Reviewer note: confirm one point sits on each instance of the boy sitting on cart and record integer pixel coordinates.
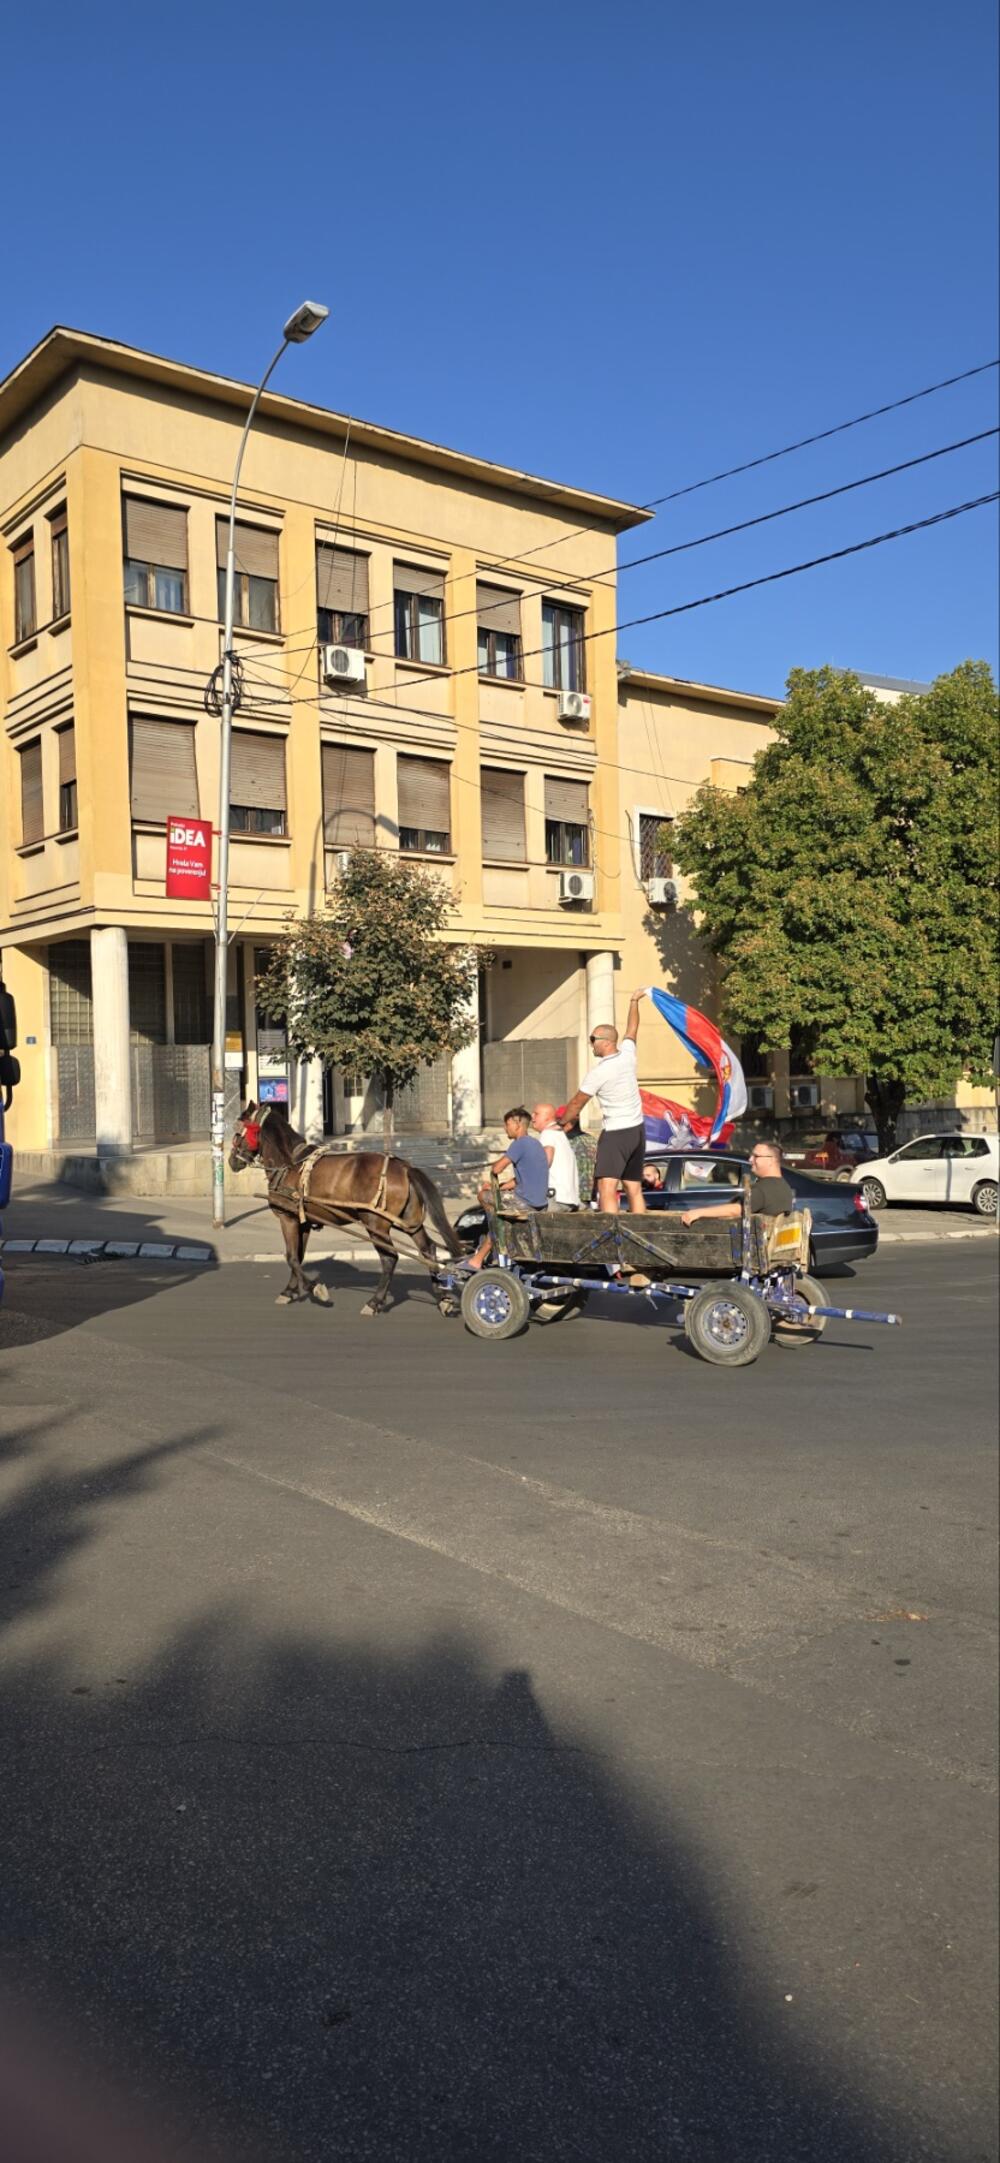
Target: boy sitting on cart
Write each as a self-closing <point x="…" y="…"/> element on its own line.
<point x="522" y="1171"/>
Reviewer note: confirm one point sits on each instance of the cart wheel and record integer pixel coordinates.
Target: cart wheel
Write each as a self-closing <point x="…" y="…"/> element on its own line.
<point x="727" y="1325"/>
<point x="553" y="1310"/>
<point x="786" y="1333"/>
<point x="495" y="1304"/>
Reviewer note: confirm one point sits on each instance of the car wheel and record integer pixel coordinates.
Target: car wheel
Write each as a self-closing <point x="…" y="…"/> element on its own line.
<point x="727" y="1324"/>
<point x="874" y="1193"/>
<point x="984" y="1198"/>
<point x="807" y="1332"/>
<point x="495" y="1304"/>
<point x="845" y="1176"/>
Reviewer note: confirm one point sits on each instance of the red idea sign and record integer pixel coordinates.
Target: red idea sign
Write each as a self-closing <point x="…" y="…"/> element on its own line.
<point x="189" y="859"/>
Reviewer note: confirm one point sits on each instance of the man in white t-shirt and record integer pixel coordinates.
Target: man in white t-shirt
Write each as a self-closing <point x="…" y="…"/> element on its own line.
<point x="564" y="1174"/>
<point x="614" y="1081"/>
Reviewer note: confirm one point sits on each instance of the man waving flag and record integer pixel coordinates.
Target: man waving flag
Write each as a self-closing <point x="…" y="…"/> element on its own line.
<point x="713" y="1055"/>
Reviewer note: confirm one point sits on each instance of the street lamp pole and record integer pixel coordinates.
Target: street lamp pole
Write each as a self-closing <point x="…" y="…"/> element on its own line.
<point x="298" y="328"/>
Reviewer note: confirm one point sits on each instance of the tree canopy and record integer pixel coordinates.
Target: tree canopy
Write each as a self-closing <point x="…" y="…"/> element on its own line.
<point x="851" y="892"/>
<point x="371" y="983"/>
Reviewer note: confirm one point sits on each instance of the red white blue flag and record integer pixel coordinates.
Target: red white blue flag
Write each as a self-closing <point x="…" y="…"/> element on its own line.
<point x="713" y="1055"/>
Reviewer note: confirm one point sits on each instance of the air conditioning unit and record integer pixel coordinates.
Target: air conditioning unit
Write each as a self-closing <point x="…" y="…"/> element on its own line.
<point x="804" y="1096"/>
<point x="760" y="1097"/>
<point x="575" y="706"/>
<point x="343" y="664"/>
<point x="576" y="886"/>
<point x="341" y="860"/>
<point x="661" y="893"/>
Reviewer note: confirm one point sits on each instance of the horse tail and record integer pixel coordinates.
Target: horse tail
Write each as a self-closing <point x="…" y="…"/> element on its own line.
<point x="434" y="1210"/>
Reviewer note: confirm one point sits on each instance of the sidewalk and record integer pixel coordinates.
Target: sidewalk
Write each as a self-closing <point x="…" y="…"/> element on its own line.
<point x="54" y="1219"/>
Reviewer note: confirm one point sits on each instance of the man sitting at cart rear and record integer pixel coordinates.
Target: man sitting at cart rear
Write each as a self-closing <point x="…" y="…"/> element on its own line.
<point x="770" y="1193"/>
<point x="529" y="1189"/>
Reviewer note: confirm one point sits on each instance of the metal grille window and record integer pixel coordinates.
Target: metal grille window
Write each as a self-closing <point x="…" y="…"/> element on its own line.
<point x="424" y="805"/>
<point x="255" y="596"/>
<point x="60" y="565"/>
<point x="147" y="993"/>
<point x="503" y="816"/>
<point x="348" y="797"/>
<point x="499" y="633"/>
<point x="71" y="1011"/>
<point x="68" y="807"/>
<point x="32" y="800"/>
<point x="654" y="846"/>
<point x="192" y="1023"/>
<point x="155" y="556"/>
<point x="257" y="800"/>
<point x="25" y="612"/>
<point x="419" y="614"/>
<point x="563" y="649"/>
<point x="341" y="597"/>
<point x="567" y="822"/>
<point x="164" y="777"/>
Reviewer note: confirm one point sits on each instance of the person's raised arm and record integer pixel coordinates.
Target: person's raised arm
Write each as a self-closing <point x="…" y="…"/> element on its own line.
<point x="632" y="1024"/>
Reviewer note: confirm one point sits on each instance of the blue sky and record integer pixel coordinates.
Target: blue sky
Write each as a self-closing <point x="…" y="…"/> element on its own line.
<point x="622" y="246"/>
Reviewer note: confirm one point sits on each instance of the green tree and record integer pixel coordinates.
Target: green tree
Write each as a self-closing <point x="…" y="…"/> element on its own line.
<point x="371" y="983"/>
<point x="851" y="892"/>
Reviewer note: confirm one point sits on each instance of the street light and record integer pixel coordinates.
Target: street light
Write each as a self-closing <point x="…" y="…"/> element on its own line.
<point x="298" y="328"/>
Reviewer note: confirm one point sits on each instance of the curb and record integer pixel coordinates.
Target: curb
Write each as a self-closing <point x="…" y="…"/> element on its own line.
<point x="133" y="1250"/>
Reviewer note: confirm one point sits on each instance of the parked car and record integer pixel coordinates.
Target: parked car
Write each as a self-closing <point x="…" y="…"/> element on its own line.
<point x="937" y="1169"/>
<point x="842" y="1229"/>
<point x="838" y="1152"/>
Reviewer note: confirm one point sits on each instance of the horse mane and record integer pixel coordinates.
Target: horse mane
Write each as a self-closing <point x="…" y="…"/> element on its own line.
<point x="287" y="1136"/>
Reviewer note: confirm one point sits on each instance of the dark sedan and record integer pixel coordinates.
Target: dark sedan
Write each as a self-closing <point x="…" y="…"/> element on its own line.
<point x="842" y="1230"/>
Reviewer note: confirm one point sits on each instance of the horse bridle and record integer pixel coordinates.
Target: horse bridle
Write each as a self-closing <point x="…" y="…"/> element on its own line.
<point x="249" y="1152"/>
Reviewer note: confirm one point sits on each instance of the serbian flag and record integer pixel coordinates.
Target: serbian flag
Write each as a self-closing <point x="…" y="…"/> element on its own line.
<point x="713" y="1055"/>
<point x="674" y="1126"/>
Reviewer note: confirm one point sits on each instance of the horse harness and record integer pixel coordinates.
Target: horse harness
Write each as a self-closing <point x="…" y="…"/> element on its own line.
<point x="284" y="1190"/>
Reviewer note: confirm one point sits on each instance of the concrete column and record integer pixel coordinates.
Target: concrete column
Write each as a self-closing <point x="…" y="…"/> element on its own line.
<point x="466" y="1079"/>
<point x="600" y="991"/>
<point x="112" y="1059"/>
<point x="307" y="1098"/>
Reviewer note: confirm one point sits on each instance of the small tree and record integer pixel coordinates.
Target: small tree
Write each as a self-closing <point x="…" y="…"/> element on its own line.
<point x="371" y="982"/>
<point x="851" y="892"/>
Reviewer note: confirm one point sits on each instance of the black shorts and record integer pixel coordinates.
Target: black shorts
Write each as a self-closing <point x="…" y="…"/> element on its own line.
<point x="621" y="1154"/>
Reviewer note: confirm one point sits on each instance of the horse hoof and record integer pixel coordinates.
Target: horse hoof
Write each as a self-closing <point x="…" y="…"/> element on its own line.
<point x="369" y="1307"/>
<point x="284" y="1299"/>
<point x="320" y="1293"/>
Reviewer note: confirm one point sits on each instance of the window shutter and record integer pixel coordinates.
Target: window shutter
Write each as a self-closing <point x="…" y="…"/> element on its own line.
<point x="164" y="777"/>
<point x="406" y="578"/>
<point x="341" y="579"/>
<point x="258" y="771"/>
<point x="156" y="533"/>
<point x="348" y="797"/>
<point x="256" y="548"/>
<point x="67" y="755"/>
<point x="32" y="802"/>
<point x="566" y="800"/>
<point x="425" y="794"/>
<point x="503" y="814"/>
<point x="498" y="611"/>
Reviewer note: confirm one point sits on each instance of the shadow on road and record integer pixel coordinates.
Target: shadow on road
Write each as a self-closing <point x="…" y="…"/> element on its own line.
<point x="325" y="1901"/>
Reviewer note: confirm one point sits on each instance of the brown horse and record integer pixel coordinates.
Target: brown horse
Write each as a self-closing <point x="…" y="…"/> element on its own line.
<point x="378" y="1192"/>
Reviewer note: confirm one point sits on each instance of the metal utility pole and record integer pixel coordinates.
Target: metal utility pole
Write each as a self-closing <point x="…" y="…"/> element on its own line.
<point x="298" y="328"/>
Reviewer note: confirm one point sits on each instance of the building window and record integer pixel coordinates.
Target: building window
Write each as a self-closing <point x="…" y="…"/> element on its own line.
<point x="192" y="1022"/>
<point x="424" y="806"/>
<point x="255" y="594"/>
<point x="155" y="556"/>
<point x="419" y="614"/>
<point x="503" y="816"/>
<point x="164" y="783"/>
<point x="499" y="633"/>
<point x="68" y="805"/>
<point x="653" y="840"/>
<point x="147" y="992"/>
<point x="32" y="801"/>
<point x="755" y="1059"/>
<point x="567" y="822"/>
<point x="60" y="566"/>
<point x="71" y="1009"/>
<point x="563" y="650"/>
<point x="341" y="597"/>
<point x="348" y="797"/>
<point x="257" y="800"/>
<point x="800" y="1051"/>
<point x="25" y="614"/>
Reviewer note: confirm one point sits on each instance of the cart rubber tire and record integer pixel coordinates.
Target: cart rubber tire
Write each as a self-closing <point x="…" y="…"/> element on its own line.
<point x="727" y="1324"/>
<point x="495" y="1304"/>
<point x="557" y="1310"/>
<point x="793" y="1333"/>
<point x="874" y="1193"/>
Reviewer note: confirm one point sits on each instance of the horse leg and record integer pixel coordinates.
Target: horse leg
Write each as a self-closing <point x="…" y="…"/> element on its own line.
<point x="381" y="1239"/>
<point x="447" y="1303"/>
<point x="296" y="1288"/>
<point x="315" y="1289"/>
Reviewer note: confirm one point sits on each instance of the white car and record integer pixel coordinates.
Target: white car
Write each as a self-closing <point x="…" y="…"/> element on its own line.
<point x="937" y="1168"/>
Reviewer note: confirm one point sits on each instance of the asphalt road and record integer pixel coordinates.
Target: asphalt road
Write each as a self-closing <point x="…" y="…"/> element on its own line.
<point x="562" y="1749"/>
